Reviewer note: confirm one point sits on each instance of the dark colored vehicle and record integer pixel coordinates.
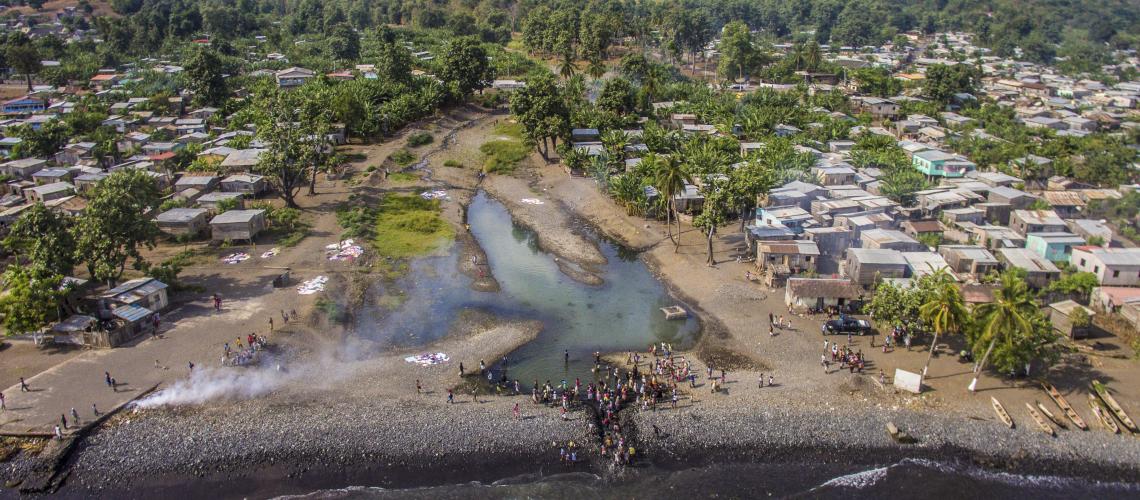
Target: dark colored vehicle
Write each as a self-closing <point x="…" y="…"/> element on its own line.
<point x="845" y="325"/>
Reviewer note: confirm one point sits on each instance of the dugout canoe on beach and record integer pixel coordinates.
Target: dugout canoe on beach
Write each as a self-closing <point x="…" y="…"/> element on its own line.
<point x="1056" y="396"/>
<point x="1102" y="414"/>
<point x="1001" y="413"/>
<point x="1113" y="406"/>
<point x="1041" y="423"/>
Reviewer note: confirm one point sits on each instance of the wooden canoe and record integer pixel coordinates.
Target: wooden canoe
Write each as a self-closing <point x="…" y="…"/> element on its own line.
<point x="1113" y="406"/>
<point x="1056" y="396"/>
<point x="1102" y="414"/>
<point x="1049" y="415"/>
<point x="1001" y="413"/>
<point x="1041" y="423"/>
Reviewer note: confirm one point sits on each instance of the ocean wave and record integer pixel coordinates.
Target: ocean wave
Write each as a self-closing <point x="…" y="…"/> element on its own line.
<point x="869" y="478"/>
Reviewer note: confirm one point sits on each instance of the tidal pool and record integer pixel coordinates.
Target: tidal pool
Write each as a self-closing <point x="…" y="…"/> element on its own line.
<point x="622" y="314"/>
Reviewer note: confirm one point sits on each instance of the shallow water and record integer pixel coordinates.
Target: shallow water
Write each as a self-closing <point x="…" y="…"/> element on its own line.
<point x="622" y="314"/>
<point x="910" y="478"/>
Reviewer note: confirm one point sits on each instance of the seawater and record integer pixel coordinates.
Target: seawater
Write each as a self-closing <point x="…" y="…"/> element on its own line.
<point x="910" y="478"/>
<point x="623" y="314"/>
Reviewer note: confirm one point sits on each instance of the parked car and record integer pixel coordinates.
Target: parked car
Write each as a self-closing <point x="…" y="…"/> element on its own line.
<point x="847" y="325"/>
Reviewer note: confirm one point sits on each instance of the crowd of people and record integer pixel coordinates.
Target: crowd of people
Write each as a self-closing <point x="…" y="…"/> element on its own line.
<point x="243" y="354"/>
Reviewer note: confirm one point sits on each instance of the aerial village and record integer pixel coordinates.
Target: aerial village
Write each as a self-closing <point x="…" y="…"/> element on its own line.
<point x="884" y="175"/>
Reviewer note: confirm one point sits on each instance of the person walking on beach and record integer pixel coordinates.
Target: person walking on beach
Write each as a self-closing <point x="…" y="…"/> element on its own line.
<point x="450" y="397"/>
<point x="771" y="381"/>
<point x="63" y="420"/>
<point x="460" y="368"/>
<point x="58" y="434"/>
<point x="419" y="388"/>
<point x="191" y="365"/>
<point x="284" y="317"/>
<point x="2" y="406"/>
<point x="823" y="362"/>
<point x="475" y="394"/>
<point x="94" y="409"/>
<point x="75" y="416"/>
<point x="516" y="412"/>
<point x="761" y="381"/>
<point x="482" y="367"/>
<point x="107" y="377"/>
<point x="114" y="386"/>
<point x="217" y="302"/>
<point x="271" y="323"/>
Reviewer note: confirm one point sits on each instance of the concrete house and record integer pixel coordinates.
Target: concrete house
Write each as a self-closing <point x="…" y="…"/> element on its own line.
<point x="183" y="221"/>
<point x="890" y="239"/>
<point x="203" y="183"/>
<point x="1112" y="266"/>
<point x="51" y="175"/>
<point x="249" y="184"/>
<point x="969" y="259"/>
<point x="956" y="216"/>
<point x="237" y="225"/>
<point x="293" y="77"/>
<point x="23" y="168"/>
<point x="1060" y="314"/>
<point x="936" y="163"/>
<point x="1055" y="247"/>
<point x="787" y="257"/>
<point x="864" y="265"/>
<point x="212" y="200"/>
<point x="1036" y="221"/>
<point x="1067" y="204"/>
<point x="919" y="228"/>
<point x="794" y="218"/>
<point x="24" y="105"/>
<point x="1089" y="229"/>
<point x="921" y="264"/>
<point x="835" y="176"/>
<point x="832" y="243"/>
<point x="808" y="293"/>
<point x="877" y="107"/>
<point x="1039" y="272"/>
<point x="1015" y="198"/>
<point x="49" y="192"/>
<point x="86" y="182"/>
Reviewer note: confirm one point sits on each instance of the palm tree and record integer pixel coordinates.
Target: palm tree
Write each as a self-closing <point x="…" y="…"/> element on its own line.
<point x="944" y="311"/>
<point x="812" y="57"/>
<point x="670" y="178"/>
<point x="566" y="70"/>
<point x="596" y="69"/>
<point x="1007" y="318"/>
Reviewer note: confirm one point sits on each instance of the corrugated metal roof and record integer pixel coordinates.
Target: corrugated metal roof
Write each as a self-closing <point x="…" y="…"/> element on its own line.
<point x="131" y="313"/>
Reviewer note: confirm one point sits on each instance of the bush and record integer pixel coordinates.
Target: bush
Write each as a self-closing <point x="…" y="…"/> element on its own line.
<point x="503" y="155"/>
<point x="403" y="157"/>
<point x="402" y="177"/>
<point x="452" y="163"/>
<point x="420" y="139"/>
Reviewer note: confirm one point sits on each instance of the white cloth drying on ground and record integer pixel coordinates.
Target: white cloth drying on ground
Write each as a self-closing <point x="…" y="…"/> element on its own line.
<point x="532" y="201"/>
<point x="235" y="258"/>
<point x="272" y="252"/>
<point x="313" y="286"/>
<point x="433" y="195"/>
<point x="345" y="250"/>
<point x="428" y="359"/>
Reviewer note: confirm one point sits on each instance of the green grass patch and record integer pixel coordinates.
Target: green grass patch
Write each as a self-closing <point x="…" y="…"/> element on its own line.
<point x="402" y="177"/>
<point x="420" y="139"/>
<point x="403" y="157"/>
<point x="503" y="155"/>
<point x="452" y="163"/>
<point x="508" y="129"/>
<point x="399" y="226"/>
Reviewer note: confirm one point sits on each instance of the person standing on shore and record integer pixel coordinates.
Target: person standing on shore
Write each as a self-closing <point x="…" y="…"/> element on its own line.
<point x="75" y="416"/>
<point x="63" y="420"/>
<point x="475" y="394"/>
<point x="516" y="412"/>
<point x="419" y="388"/>
<point x="2" y="406"/>
<point x="566" y="357"/>
<point x="114" y="386"/>
<point x="450" y="397"/>
<point x="58" y="434"/>
<point x="771" y="380"/>
<point x="460" y="368"/>
<point x="761" y="381"/>
<point x="94" y="409"/>
<point x="107" y="377"/>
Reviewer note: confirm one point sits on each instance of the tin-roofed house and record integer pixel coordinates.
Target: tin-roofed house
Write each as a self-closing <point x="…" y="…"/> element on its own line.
<point x="779" y="259"/>
<point x="1036" y="221"/>
<point x="183" y="221"/>
<point x="1112" y="266"/>
<point x="864" y="265"/>
<point x="249" y="184"/>
<point x="1061" y="315"/>
<point x="1039" y="272"/>
<point x="203" y="183"/>
<point x="815" y="293"/>
<point x="969" y="259"/>
<point x="1054" y="247"/>
<point x="237" y="225"/>
<point x="49" y="192"/>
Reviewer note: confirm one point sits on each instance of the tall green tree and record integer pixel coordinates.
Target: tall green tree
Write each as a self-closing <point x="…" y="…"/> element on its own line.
<point x="943" y="81"/>
<point x="114" y="228"/>
<point x="44" y="239"/>
<point x="23" y="56"/>
<point x="541" y="109"/>
<point x="1007" y="319"/>
<point x="945" y="312"/>
<point x="670" y="178"/>
<point x="30" y="300"/>
<point x="714" y="212"/>
<point x="464" y="66"/>
<point x="204" y="77"/>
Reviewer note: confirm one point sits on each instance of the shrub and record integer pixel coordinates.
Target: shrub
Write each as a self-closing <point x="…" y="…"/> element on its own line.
<point x="420" y="139"/>
<point x="403" y="157"/>
<point x="452" y="163"/>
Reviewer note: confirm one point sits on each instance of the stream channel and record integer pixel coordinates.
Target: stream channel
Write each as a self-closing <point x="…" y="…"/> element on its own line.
<point x="623" y="314"/>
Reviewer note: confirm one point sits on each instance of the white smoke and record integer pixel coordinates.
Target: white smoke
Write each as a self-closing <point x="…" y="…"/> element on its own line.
<point x="328" y="367"/>
<point x="207" y="384"/>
